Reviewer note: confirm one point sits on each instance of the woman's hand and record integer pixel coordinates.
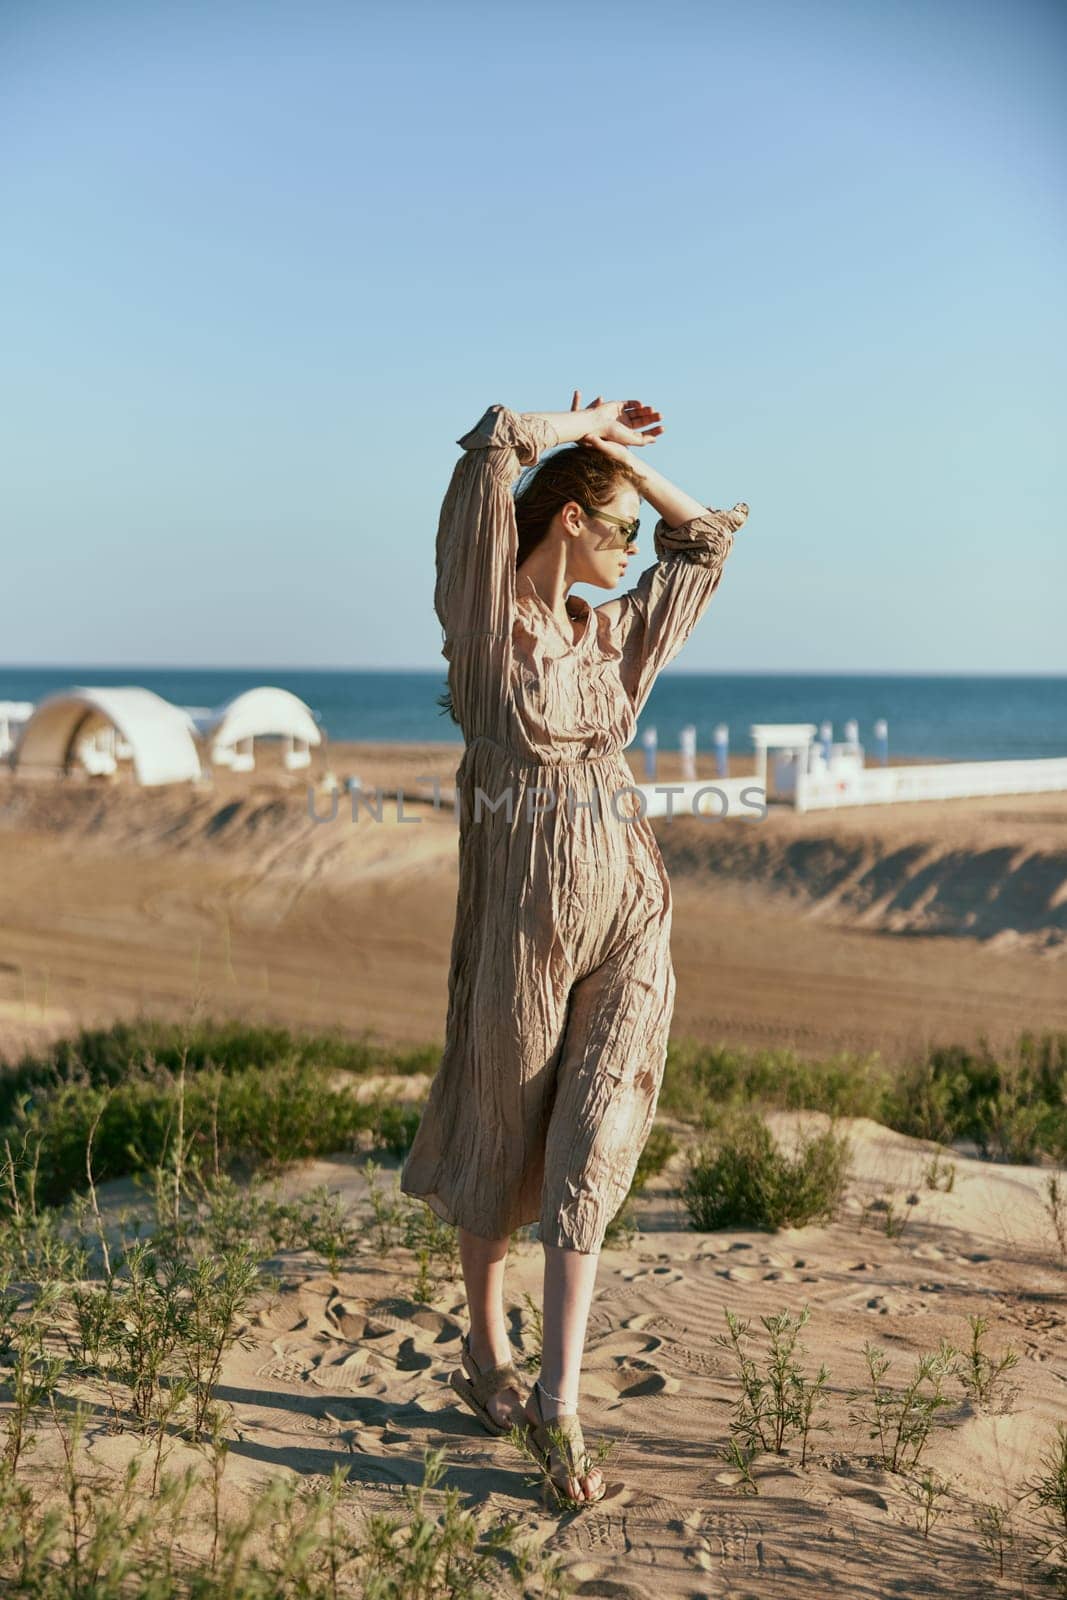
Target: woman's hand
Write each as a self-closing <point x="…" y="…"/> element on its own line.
<point x="618" y="424"/>
<point x="623" y="418"/>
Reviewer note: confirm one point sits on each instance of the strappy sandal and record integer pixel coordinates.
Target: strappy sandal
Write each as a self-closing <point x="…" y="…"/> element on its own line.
<point x="572" y="1460"/>
<point x="476" y="1392"/>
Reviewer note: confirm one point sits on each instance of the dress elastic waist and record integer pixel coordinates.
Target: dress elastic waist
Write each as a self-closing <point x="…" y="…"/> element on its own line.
<point x="515" y="760"/>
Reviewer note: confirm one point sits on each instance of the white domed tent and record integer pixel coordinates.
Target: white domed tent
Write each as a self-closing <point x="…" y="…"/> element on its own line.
<point x="260" y="713"/>
<point x="13" y="713"/>
<point x="96" y="728"/>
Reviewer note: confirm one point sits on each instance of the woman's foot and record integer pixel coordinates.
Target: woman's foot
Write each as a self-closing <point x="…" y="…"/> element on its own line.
<point x="506" y="1405"/>
<point x="540" y="1411"/>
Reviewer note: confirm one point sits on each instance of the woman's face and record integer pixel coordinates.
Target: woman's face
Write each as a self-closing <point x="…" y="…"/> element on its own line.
<point x="595" y="555"/>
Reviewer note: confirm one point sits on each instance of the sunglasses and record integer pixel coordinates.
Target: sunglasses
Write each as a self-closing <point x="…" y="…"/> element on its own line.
<point x="627" y="530"/>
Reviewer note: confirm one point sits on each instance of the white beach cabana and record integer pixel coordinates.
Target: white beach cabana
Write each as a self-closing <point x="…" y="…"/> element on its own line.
<point x="265" y="712"/>
<point x="791" y="739"/>
<point x="800" y="749"/>
<point x="13" y="713"/>
<point x="94" y="728"/>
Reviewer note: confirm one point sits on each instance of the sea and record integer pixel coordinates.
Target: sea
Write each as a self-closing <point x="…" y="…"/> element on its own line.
<point x="961" y="718"/>
<point x="947" y="717"/>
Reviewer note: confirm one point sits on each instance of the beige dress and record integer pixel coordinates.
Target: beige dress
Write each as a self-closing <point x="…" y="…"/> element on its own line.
<point x="561" y="986"/>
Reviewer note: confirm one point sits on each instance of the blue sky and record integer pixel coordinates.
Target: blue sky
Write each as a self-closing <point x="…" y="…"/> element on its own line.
<point x="262" y="265"/>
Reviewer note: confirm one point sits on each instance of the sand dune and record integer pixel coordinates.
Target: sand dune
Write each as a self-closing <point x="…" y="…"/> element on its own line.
<point x="349" y="1367"/>
<point x="991" y="869"/>
<point x="879" y="928"/>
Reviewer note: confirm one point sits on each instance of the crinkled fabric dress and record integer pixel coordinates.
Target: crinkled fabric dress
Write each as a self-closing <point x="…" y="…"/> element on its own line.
<point x="561" y="986"/>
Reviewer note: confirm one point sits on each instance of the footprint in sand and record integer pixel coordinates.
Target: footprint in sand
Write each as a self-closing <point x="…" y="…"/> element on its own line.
<point x="434" y="1322"/>
<point x="282" y="1316"/>
<point x="599" y="1534"/>
<point x="349" y="1320"/>
<point x="773" y="1259"/>
<point x="381" y="1323"/>
<point x="409" y="1359"/>
<point x="397" y="1315"/>
<point x="661" y="1276"/>
<point x="315" y="1340"/>
<point x="631" y="1377"/>
<point x="865" y="1497"/>
<point x="626" y="1344"/>
<point x="641" y="1319"/>
<point x="883" y="1304"/>
<point x="343" y="1371"/>
<point x="362" y="1441"/>
<point x="605" y="1582"/>
<point x="724" y="1539"/>
<point x="310" y="1306"/>
<point x="283" y="1366"/>
<point x="737" y="1274"/>
<point x="704" y="1362"/>
<point x="789" y="1271"/>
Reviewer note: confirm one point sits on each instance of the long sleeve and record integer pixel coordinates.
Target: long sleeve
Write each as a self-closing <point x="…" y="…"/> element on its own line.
<point x="477" y="547"/>
<point x="660" y="612"/>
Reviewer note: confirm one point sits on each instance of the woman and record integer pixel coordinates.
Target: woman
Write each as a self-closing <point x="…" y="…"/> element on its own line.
<point x="561" y="986"/>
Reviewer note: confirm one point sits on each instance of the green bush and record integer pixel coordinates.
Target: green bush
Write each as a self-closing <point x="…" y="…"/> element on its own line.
<point x="267" y="1096"/>
<point x="395" y="1126"/>
<point x="263" y="1118"/>
<point x="104" y="1056"/>
<point x="1012" y="1104"/>
<point x="740" y="1179"/>
<point x="699" y="1081"/>
<point x="659" y="1147"/>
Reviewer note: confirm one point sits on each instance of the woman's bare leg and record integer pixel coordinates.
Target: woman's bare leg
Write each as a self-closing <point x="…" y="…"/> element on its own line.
<point x="483" y="1262"/>
<point x="570" y="1276"/>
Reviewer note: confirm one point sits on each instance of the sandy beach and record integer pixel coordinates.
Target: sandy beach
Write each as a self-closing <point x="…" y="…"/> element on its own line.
<point x="879" y="929"/>
<point x="349" y="1367"/>
<point x="872" y="928"/>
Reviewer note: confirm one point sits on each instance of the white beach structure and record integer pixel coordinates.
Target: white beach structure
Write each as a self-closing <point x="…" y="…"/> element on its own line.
<point x="792" y="745"/>
<point x="700" y="797"/>
<point x="231" y="730"/>
<point x="802" y="750"/>
<point x="947" y="780"/>
<point x="13" y="713"/>
<point x="94" y="728"/>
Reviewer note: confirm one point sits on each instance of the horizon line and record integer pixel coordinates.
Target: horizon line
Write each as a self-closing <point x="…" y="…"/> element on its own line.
<point x="690" y="672"/>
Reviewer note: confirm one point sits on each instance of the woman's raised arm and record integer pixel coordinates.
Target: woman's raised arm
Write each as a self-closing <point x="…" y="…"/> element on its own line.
<point x="477" y="536"/>
<point x="476" y="552"/>
<point x="652" y="621"/>
<point x="477" y="541"/>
